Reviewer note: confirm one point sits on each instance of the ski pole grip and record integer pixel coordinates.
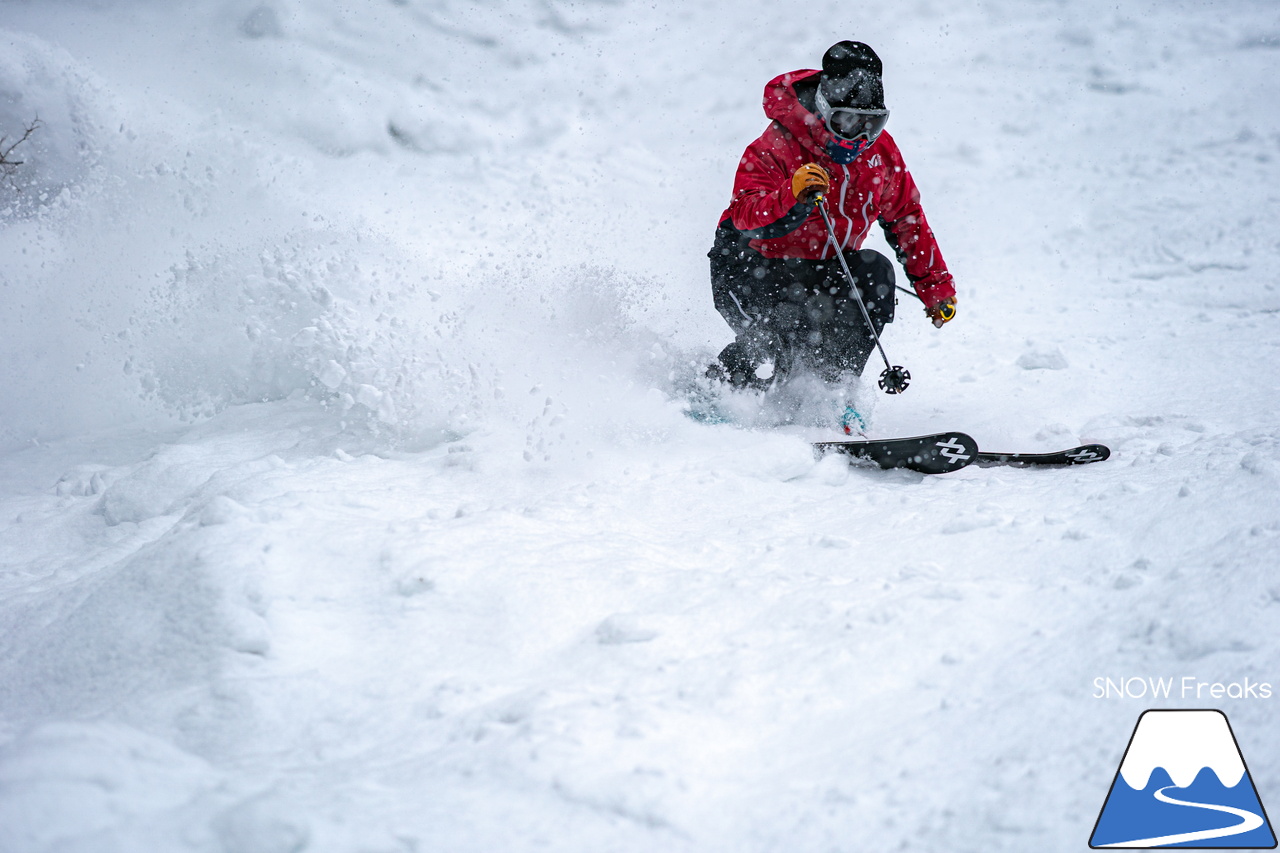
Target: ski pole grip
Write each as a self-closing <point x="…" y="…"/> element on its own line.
<point x="942" y="313"/>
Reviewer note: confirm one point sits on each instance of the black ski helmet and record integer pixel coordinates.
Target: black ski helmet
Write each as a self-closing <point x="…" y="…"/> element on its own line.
<point x="851" y="76"/>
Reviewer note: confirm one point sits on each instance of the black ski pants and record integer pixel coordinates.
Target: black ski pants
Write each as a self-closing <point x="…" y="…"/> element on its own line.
<point x="796" y="312"/>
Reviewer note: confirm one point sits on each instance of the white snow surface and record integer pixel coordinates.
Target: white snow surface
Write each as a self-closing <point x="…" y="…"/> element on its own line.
<point x="1183" y="743"/>
<point x="346" y="498"/>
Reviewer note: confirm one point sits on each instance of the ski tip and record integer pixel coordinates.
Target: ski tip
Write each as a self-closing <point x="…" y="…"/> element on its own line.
<point x="1085" y="454"/>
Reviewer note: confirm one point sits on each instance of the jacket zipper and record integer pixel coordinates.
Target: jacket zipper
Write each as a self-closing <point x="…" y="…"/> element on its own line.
<point x="844" y="191"/>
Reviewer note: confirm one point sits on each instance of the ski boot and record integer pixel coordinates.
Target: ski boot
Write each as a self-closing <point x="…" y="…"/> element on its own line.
<point x="852" y="422"/>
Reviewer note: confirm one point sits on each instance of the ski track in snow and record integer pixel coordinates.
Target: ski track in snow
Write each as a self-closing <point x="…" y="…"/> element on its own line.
<point x="345" y="503"/>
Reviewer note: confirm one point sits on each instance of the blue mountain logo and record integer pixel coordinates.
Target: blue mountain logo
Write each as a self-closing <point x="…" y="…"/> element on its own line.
<point x="1183" y="783"/>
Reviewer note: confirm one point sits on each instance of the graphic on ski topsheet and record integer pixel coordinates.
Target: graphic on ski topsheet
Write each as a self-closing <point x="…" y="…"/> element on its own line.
<point x="1183" y="783"/>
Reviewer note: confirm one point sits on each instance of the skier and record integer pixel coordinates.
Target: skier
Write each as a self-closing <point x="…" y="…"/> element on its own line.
<point x="774" y="275"/>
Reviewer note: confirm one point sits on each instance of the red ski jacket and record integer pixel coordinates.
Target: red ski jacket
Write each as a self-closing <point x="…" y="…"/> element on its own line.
<point x="875" y="186"/>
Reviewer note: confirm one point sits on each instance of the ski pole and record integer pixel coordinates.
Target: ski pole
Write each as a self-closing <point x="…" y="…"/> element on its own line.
<point x="895" y="378"/>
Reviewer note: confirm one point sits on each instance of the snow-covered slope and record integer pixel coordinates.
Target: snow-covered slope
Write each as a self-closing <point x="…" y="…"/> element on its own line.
<point x="347" y="502"/>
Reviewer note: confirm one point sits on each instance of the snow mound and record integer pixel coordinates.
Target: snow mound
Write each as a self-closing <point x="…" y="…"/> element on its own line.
<point x="97" y="786"/>
<point x="41" y="82"/>
<point x="167" y="616"/>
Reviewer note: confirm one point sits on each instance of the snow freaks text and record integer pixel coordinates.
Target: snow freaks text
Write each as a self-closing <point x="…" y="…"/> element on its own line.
<point x="1186" y="687"/>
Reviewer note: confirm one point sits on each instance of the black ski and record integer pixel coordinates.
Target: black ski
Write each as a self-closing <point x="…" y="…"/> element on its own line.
<point x="928" y="454"/>
<point x="1082" y="455"/>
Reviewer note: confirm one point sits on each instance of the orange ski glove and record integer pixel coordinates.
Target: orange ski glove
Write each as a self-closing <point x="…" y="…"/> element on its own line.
<point x="809" y="181"/>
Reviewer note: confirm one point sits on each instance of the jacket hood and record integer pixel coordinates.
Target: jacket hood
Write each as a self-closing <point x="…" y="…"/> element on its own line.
<point x="782" y="105"/>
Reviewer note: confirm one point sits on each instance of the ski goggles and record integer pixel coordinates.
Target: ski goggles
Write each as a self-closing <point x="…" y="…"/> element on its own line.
<point x="857" y="124"/>
<point x="850" y="123"/>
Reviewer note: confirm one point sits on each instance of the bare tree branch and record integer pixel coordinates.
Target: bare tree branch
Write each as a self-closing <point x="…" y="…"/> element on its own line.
<point x="8" y="165"/>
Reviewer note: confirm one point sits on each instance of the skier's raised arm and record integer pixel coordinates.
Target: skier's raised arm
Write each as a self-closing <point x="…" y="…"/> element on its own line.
<point x="907" y="230"/>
